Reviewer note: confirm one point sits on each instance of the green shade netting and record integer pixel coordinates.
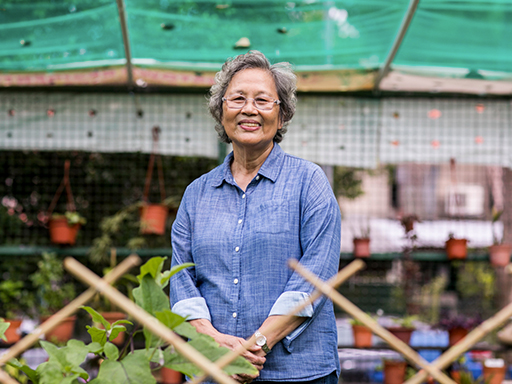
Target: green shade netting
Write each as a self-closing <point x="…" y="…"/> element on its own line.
<point x="313" y="35"/>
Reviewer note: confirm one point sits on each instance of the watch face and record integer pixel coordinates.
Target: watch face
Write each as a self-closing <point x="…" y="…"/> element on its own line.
<point x="261" y="340"/>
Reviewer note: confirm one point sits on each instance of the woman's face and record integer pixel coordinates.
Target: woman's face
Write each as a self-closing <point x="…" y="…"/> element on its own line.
<point x="249" y="127"/>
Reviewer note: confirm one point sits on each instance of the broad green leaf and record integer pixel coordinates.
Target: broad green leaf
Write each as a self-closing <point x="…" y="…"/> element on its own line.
<point x="152" y="298"/>
<point x="212" y="351"/>
<point x="186" y="330"/>
<point x="119" y="322"/>
<point x="95" y="348"/>
<point x="153" y="266"/>
<point x="174" y="270"/>
<point x="97" y="335"/>
<point x="32" y="375"/>
<point x="169" y="319"/>
<point x="96" y="317"/>
<point x="67" y="359"/>
<point x="3" y="327"/>
<point x="111" y="351"/>
<point x="134" y="368"/>
<point x="115" y="331"/>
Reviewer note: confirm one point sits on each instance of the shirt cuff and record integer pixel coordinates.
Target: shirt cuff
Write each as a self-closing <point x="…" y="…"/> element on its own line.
<point x="193" y="308"/>
<point x="290" y="300"/>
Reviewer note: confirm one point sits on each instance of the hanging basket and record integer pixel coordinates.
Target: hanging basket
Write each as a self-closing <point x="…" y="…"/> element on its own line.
<point x="61" y="232"/>
<point x="361" y="247"/>
<point x="499" y="255"/>
<point x="153" y="217"/>
<point x="456" y="248"/>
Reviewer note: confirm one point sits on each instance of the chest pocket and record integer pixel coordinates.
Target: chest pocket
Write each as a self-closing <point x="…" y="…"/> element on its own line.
<point x="272" y="217"/>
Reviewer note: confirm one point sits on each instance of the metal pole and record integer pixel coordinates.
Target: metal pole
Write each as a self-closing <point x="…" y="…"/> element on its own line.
<point x="126" y="41"/>
<point x="396" y="45"/>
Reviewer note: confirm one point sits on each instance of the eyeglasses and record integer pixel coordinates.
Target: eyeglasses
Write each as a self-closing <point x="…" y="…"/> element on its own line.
<point x="260" y="103"/>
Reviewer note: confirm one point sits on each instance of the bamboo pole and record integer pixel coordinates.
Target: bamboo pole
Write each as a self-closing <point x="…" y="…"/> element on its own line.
<point x="376" y="328"/>
<point x="343" y="275"/>
<point x="6" y="379"/>
<point x="155" y="326"/>
<point x="33" y="337"/>
<point x="466" y="343"/>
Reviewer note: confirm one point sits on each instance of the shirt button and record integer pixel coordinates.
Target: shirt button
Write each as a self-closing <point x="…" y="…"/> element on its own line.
<point x="234" y="314"/>
<point x="240" y="221"/>
<point x="237" y="249"/>
<point x="235" y="281"/>
<point x="258" y="177"/>
<point x="243" y="196"/>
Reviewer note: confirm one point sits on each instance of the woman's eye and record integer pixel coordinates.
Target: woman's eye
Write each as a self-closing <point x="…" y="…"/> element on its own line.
<point x="240" y="98"/>
<point x="262" y="101"/>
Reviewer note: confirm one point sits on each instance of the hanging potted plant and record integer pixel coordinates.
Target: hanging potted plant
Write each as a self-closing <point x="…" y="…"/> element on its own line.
<point x="408" y="221"/>
<point x="499" y="252"/>
<point x="153" y="217"/>
<point x="456" y="248"/>
<point x="64" y="228"/>
<point x="54" y="292"/>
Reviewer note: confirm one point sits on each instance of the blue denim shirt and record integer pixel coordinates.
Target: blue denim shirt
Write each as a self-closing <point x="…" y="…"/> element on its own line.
<point x="240" y="243"/>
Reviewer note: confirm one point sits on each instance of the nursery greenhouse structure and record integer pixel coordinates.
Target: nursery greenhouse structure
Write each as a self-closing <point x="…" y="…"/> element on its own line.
<point x="405" y="104"/>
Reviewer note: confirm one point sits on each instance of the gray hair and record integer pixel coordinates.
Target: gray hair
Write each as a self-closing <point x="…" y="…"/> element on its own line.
<point x="284" y="79"/>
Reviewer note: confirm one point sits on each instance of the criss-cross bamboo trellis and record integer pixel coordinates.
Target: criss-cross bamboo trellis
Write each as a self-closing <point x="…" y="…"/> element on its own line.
<point x="215" y="370"/>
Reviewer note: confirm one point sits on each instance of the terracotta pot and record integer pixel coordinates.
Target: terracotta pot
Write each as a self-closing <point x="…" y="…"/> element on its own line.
<point x="499" y="255"/>
<point x="394" y="371"/>
<point x="153" y="218"/>
<point x="169" y="376"/>
<point x="361" y="247"/>
<point x="112" y="317"/>
<point x="402" y="333"/>
<point x="456" y="248"/>
<point x="455" y="376"/>
<point x="456" y="334"/>
<point x="12" y="334"/>
<point x="494" y="375"/>
<point x="362" y="336"/>
<point x="62" y="332"/>
<point x="61" y="232"/>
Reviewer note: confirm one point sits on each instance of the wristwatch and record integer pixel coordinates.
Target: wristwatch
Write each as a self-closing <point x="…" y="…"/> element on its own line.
<point x="261" y="340"/>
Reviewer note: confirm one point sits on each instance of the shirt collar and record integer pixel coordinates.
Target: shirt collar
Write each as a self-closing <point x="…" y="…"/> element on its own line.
<point x="270" y="168"/>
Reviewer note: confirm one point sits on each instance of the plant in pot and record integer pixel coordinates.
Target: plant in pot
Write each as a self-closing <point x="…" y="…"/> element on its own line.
<point x="123" y="228"/>
<point x="54" y="292"/>
<point x="499" y="252"/>
<point x="456" y="248"/>
<point x="128" y="364"/>
<point x="408" y="221"/>
<point x="394" y="371"/>
<point x="403" y="327"/>
<point x="361" y="333"/>
<point x="64" y="228"/>
<point x="457" y="326"/>
<point x="16" y="303"/>
<point x="362" y="242"/>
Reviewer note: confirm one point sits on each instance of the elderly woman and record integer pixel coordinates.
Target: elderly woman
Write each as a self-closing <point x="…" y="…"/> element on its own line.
<point x="241" y="222"/>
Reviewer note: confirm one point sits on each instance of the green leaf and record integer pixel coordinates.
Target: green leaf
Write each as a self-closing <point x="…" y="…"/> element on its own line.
<point x="153" y="266"/>
<point x="115" y="331"/>
<point x="95" y="348"/>
<point x="169" y="319"/>
<point x="97" y="335"/>
<point x="96" y="317"/>
<point x="3" y="327"/>
<point x="186" y="330"/>
<point x="212" y="351"/>
<point x="134" y="368"/>
<point x="32" y="375"/>
<point x="111" y="351"/>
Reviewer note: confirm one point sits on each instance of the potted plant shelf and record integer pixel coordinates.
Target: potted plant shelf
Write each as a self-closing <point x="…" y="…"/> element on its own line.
<point x="129" y="363"/>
